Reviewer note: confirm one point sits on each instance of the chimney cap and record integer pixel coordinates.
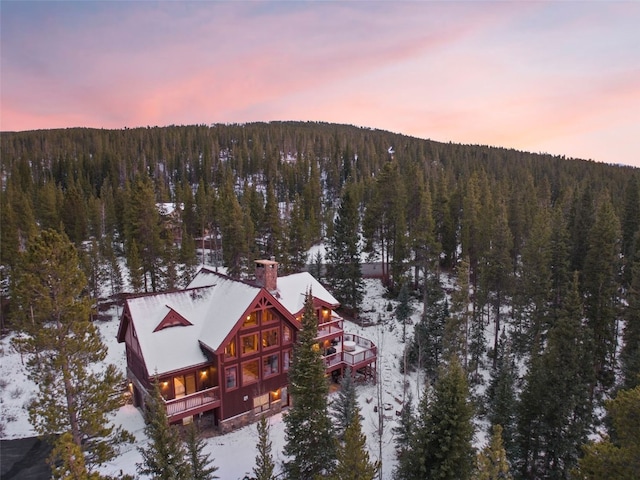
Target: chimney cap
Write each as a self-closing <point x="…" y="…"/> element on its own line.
<point x="266" y="262"/>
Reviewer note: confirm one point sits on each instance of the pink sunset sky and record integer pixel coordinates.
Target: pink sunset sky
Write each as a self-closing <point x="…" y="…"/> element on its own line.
<point x="555" y="77"/>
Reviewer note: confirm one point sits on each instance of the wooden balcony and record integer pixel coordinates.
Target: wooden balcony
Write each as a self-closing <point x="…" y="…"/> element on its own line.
<point x="330" y="329"/>
<point x="355" y="352"/>
<point x="363" y="351"/>
<point x="179" y="408"/>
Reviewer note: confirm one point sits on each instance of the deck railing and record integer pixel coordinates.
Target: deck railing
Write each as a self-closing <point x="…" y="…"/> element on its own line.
<point x="330" y="329"/>
<point x="365" y="352"/>
<point x="192" y="401"/>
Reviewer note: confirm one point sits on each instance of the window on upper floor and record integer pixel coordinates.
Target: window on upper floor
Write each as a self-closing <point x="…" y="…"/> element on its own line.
<point x="230" y="350"/>
<point x="250" y="320"/>
<point x="269" y="316"/>
<point x="286" y="335"/>
<point x="270" y="338"/>
<point x="249" y="344"/>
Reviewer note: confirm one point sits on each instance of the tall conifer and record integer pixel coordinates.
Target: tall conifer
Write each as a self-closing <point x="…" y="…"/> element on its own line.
<point x="309" y="439"/>
<point x="344" y="272"/>
<point x="264" y="467"/>
<point x="353" y="461"/>
<point x="491" y="462"/>
<point x="163" y="457"/>
<point x="200" y="464"/>
<point x="441" y="446"/>
<point x="76" y="390"/>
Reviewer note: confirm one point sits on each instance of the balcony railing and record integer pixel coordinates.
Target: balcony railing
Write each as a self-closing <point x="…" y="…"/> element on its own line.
<point x="364" y="351"/>
<point x="198" y="402"/>
<point x="330" y="329"/>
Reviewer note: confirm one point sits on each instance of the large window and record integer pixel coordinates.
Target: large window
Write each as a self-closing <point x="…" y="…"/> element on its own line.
<point x="231" y="377"/>
<point x="269" y="316"/>
<point x="250" y="372"/>
<point x="270" y="365"/>
<point x="286" y="334"/>
<point x="286" y="360"/>
<point x="251" y="320"/>
<point x="184" y="385"/>
<point x="230" y="349"/>
<point x="249" y="344"/>
<point x="270" y="338"/>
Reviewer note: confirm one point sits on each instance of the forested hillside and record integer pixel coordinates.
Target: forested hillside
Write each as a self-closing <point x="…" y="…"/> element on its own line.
<point x="542" y="248"/>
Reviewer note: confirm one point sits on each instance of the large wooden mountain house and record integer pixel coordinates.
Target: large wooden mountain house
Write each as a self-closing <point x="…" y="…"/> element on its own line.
<point x="223" y="347"/>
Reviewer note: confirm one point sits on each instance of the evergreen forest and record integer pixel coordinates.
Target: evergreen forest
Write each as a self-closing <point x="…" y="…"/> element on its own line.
<point x="541" y="250"/>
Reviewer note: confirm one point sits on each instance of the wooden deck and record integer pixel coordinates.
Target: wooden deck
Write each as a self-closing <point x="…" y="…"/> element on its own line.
<point x="179" y="408"/>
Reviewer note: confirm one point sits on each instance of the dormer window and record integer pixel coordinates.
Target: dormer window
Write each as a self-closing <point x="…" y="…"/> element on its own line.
<point x="172" y="319"/>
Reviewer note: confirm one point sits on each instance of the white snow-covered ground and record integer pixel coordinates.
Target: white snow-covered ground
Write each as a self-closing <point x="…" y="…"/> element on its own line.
<point x="234" y="453"/>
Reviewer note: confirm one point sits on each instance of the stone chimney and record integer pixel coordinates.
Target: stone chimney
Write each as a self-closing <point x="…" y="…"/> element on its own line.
<point x="267" y="274"/>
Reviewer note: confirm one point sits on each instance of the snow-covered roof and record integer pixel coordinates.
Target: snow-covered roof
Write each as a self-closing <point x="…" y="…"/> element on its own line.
<point x="213" y="311"/>
<point x="213" y="303"/>
<point x="293" y="288"/>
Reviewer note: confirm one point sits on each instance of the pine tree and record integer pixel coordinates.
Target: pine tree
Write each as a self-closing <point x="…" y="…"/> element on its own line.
<point x="630" y="224"/>
<point x="135" y="267"/>
<point x="403" y="438"/>
<point x="491" y="462"/>
<point x="67" y="460"/>
<point x="497" y="270"/>
<point x="403" y="309"/>
<point x="309" y="440"/>
<point x="551" y="428"/>
<point x="501" y="396"/>
<point x="271" y="231"/>
<point x="353" y="462"/>
<point x="615" y="457"/>
<point x="345" y="406"/>
<point x="344" y="273"/>
<point x="234" y="246"/>
<point x="384" y="223"/>
<point x="113" y="271"/>
<point x="630" y="354"/>
<point x="200" y="465"/>
<point x="426" y="349"/>
<point x="187" y="258"/>
<point x="532" y="299"/>
<point x="264" y="467"/>
<point x="441" y="446"/>
<point x="142" y="225"/>
<point x="164" y="457"/>
<point x="456" y="335"/>
<point x="65" y="352"/>
<point x="296" y="239"/>
<point x="600" y="287"/>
